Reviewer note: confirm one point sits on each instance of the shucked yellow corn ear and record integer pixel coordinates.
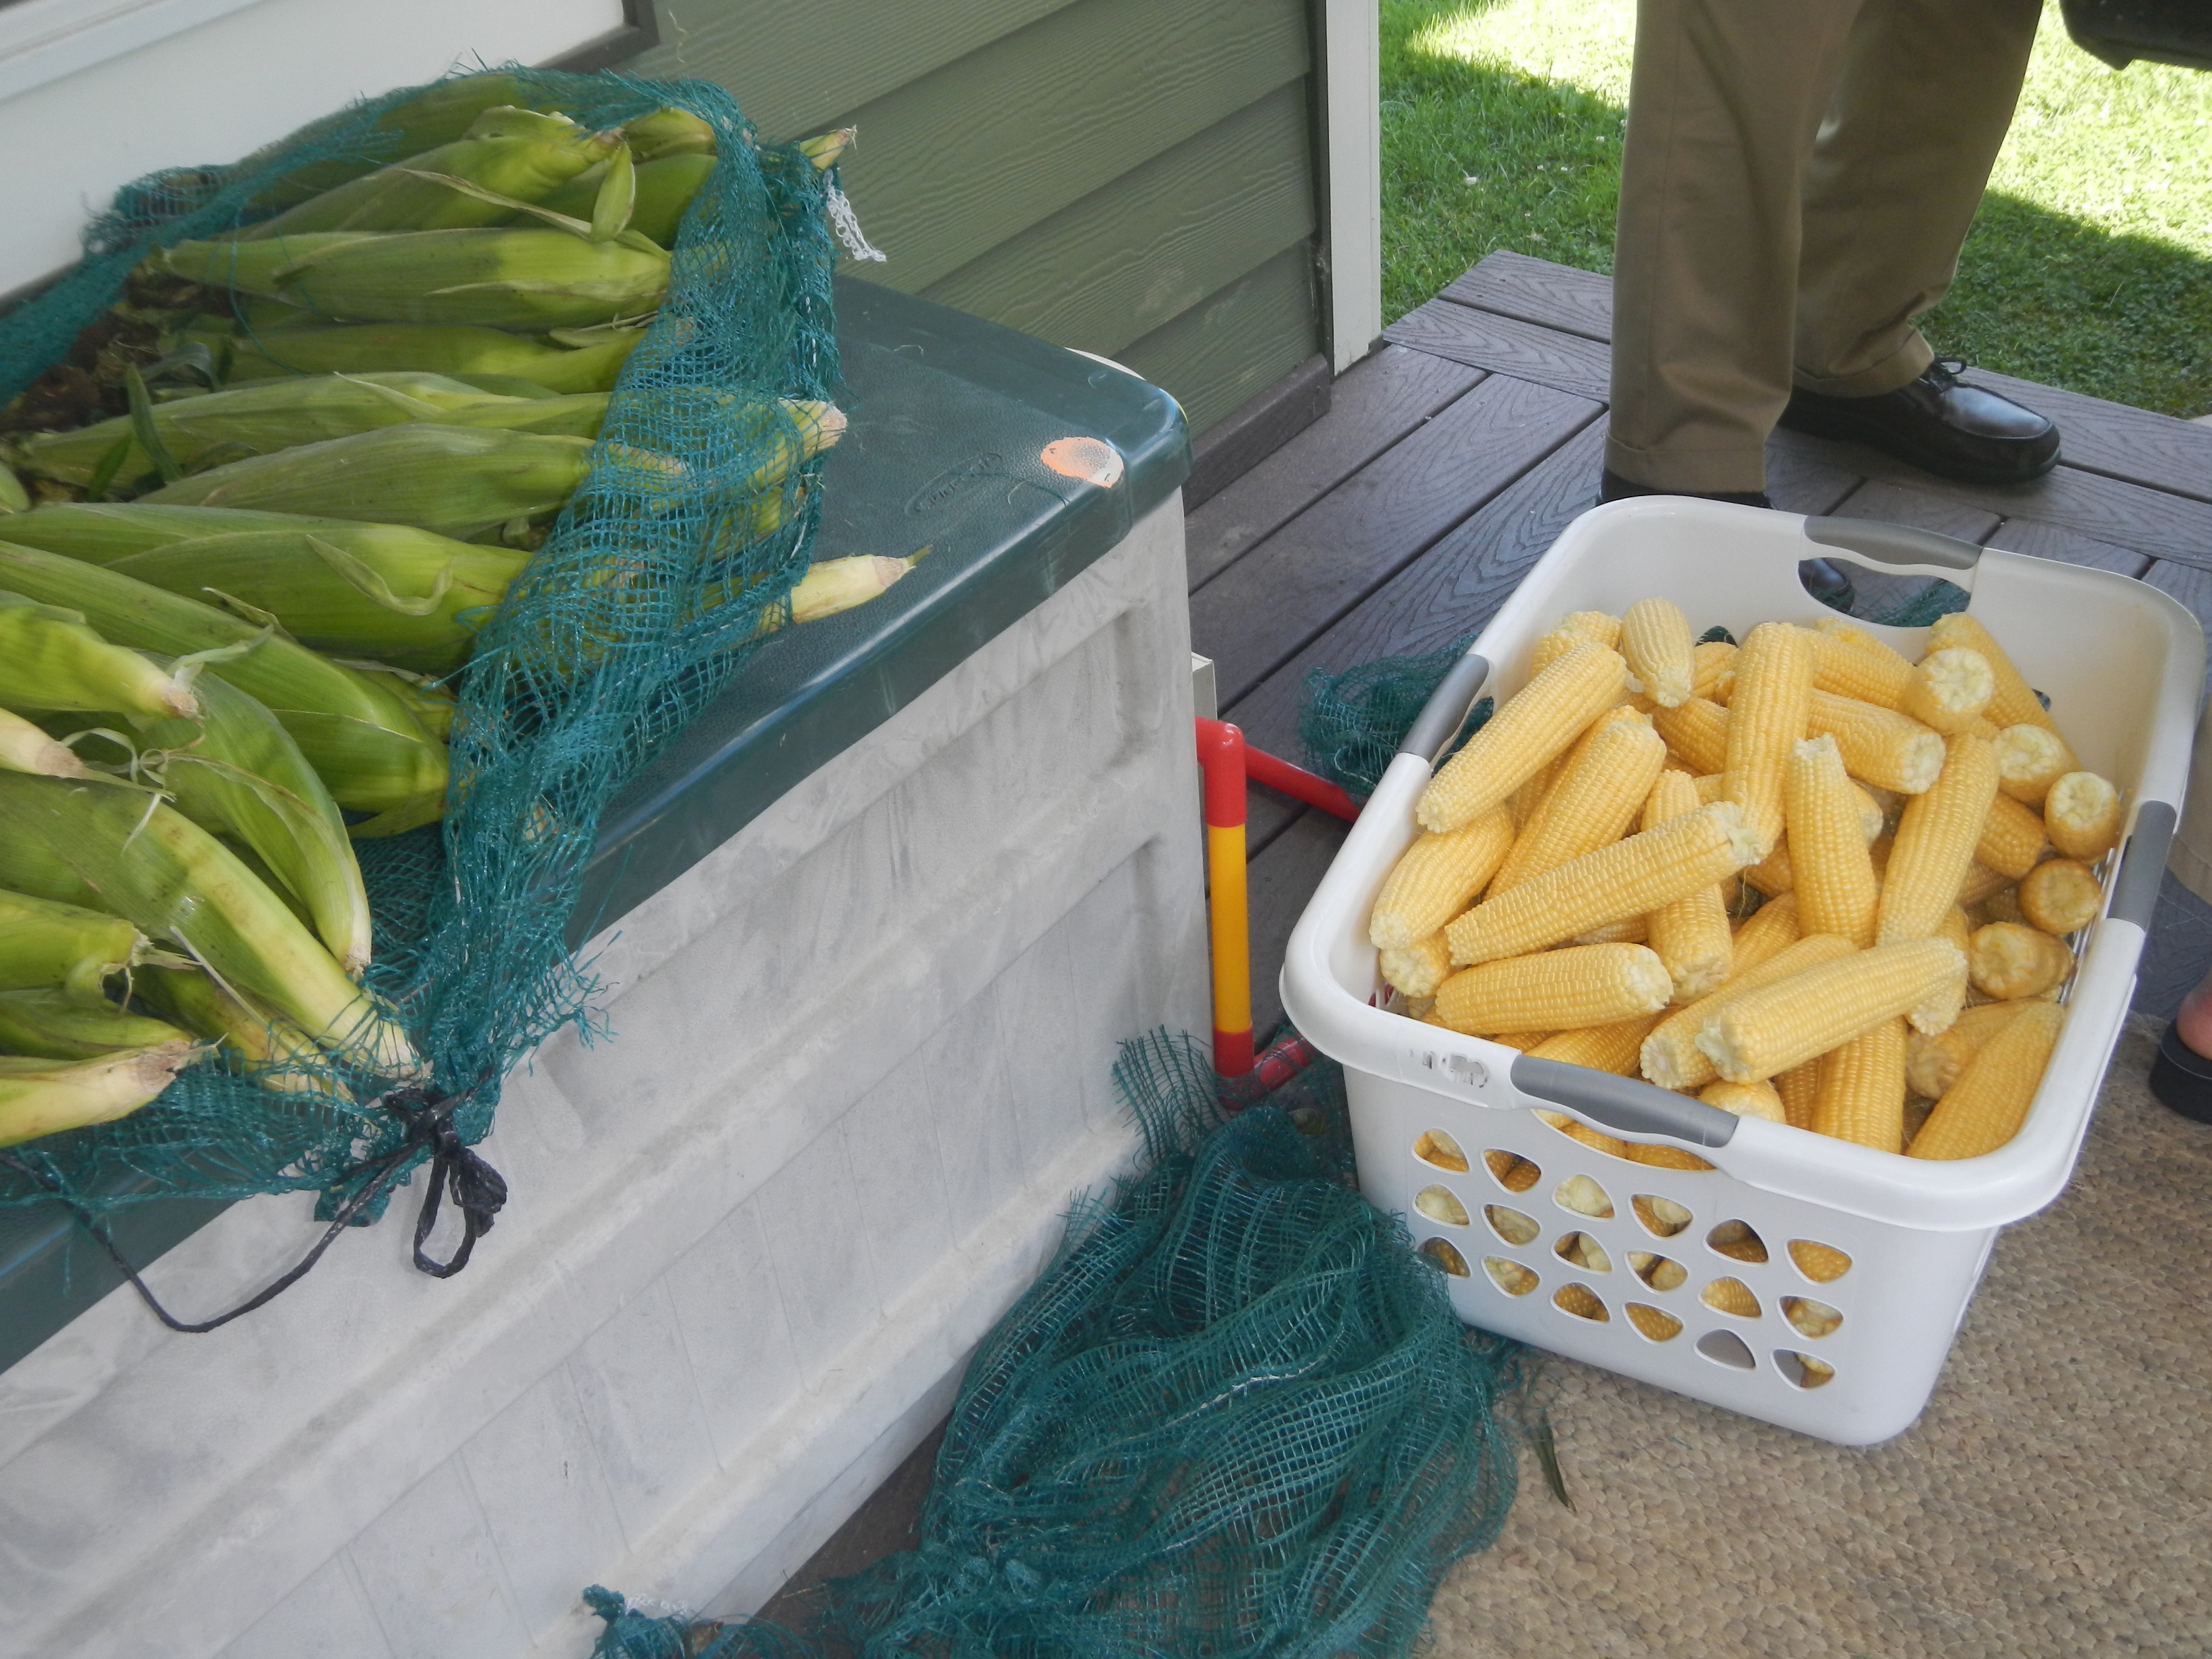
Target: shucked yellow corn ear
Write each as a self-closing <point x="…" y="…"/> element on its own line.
<point x="455" y="480"/>
<point x="1766" y="716"/>
<point x="1696" y="730"/>
<point x="1831" y="872"/>
<point x="1794" y="1019"/>
<point x="1713" y="670"/>
<point x="1879" y="746"/>
<point x="269" y="1048"/>
<point x="49" y="660"/>
<point x="1417" y="968"/>
<point x="45" y="943"/>
<point x="1769" y="929"/>
<point x="1593" y="800"/>
<point x="26" y="748"/>
<point x="1691" y="934"/>
<point x="1555" y="990"/>
<point x="2013" y="841"/>
<point x="2009" y="961"/>
<point x="1985" y="1107"/>
<point x="56" y="1026"/>
<point x="443" y="349"/>
<point x="390" y="592"/>
<point x="1861" y="668"/>
<point x="1591" y="626"/>
<point x="1532" y="728"/>
<point x="2082" y="816"/>
<point x="1935" y="842"/>
<point x="1949" y="690"/>
<point x="1859" y="1096"/>
<point x="1628" y="878"/>
<point x="232" y="768"/>
<point x="174" y="880"/>
<point x="2061" y="896"/>
<point x="1932" y="1064"/>
<point x="369" y="751"/>
<point x="2030" y="759"/>
<point x="1436" y="878"/>
<point x="44" y="1097"/>
<point x="2011" y="701"/>
<point x="1655" y="638"/>
<point x="495" y="279"/>
<point x="1671" y="1056"/>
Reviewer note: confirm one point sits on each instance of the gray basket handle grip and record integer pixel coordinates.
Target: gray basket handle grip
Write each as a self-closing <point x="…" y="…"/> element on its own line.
<point x="1625" y="1103"/>
<point x="2135" y="890"/>
<point x="1893" y="543"/>
<point x="1447" y="709"/>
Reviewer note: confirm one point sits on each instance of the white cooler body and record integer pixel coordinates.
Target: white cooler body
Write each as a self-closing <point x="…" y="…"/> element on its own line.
<point x="2122" y="664"/>
<point x="860" y="1071"/>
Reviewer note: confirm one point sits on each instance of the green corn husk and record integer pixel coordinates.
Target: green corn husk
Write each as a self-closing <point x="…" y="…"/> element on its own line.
<point x="46" y="1096"/>
<point x="271" y="1050"/>
<point x="823" y="148"/>
<point x="361" y="349"/>
<point x="368" y="750"/>
<point x="524" y="166"/>
<point x="426" y="698"/>
<point x="668" y="132"/>
<point x="25" y="748"/>
<point x="437" y="115"/>
<point x="664" y="189"/>
<point x="494" y="278"/>
<point x="176" y="882"/>
<point x="235" y="770"/>
<point x="454" y="480"/>
<point x="100" y="533"/>
<point x="47" y="943"/>
<point x="26" y="871"/>
<point x="49" y="659"/>
<point x="262" y="417"/>
<point x="57" y="1026"/>
<point x="407" y="597"/>
<point x="246" y="267"/>
<point x="14" y="498"/>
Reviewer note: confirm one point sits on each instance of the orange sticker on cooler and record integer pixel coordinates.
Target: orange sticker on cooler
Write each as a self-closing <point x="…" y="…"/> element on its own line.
<point x="1092" y="461"/>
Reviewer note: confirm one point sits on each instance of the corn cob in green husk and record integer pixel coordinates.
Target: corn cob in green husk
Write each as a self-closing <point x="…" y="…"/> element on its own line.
<point x="176" y="882"/>
<point x="46" y="1096"/>
<point x="395" y="594"/>
<point x="264" y="417"/>
<point x="47" y="943"/>
<point x="56" y="1026"/>
<point x="267" y="1047"/>
<point x="49" y="660"/>
<point x="249" y="267"/>
<point x="25" y="748"/>
<point x="100" y="533"/>
<point x="355" y="348"/>
<point x="235" y="770"/>
<point x="362" y="741"/>
<point x="662" y="192"/>
<point x="454" y="480"/>
<point x="504" y="277"/>
<point x="500" y="154"/>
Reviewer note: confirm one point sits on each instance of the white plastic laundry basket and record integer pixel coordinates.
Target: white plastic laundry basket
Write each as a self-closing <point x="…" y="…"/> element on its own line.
<point x="2122" y="664"/>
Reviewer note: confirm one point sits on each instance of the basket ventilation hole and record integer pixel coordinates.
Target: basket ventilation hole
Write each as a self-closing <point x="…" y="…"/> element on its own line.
<point x="1436" y="1147"/>
<point x="1512" y="1171"/>
<point x="1731" y="1296"/>
<point x="1581" y="1250"/>
<point x="1657" y="1271"/>
<point x="1441" y="1252"/>
<point x="1808" y="1317"/>
<point x="1726" y="1348"/>
<point x="1585" y="1197"/>
<point x="1821" y="1263"/>
<point x="1737" y="1241"/>
<point x="1663" y="1218"/>
<point x="1801" y="1368"/>
<point x="1510" y="1277"/>
<point x="1511" y="1225"/>
<point x="1441" y="1204"/>
<point x="1582" y="1302"/>
<point x="1654" y="1322"/>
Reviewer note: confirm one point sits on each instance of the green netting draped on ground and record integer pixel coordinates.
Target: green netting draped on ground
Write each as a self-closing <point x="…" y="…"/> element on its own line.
<point x="1237" y="1416"/>
<point x="634" y="613"/>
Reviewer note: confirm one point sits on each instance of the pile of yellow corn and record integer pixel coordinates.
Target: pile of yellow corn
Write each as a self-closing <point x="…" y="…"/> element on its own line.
<point x="1772" y="876"/>
<point x="226" y="615"/>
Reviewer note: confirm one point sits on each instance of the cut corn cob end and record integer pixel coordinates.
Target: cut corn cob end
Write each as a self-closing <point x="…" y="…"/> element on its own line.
<point x="2082" y="815"/>
<point x="2060" y="896"/>
<point x="1746" y="1099"/>
<point x="2030" y="759"/>
<point x="1949" y="690"/>
<point x="2008" y="962"/>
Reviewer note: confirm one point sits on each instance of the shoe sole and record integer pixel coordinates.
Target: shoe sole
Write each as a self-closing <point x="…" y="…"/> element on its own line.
<point x="1845" y="431"/>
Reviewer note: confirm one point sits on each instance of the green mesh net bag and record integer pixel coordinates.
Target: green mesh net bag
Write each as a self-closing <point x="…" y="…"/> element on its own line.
<point x="1351" y="722"/>
<point x="1237" y="1416"/>
<point x="636" y="611"/>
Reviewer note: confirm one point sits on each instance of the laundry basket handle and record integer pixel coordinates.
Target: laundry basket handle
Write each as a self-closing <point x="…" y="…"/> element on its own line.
<point x="1622" y="1102"/>
<point x="1893" y="543"/>
<point x="1447" y="709"/>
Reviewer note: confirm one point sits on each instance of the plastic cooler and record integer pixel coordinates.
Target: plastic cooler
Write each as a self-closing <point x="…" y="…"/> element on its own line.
<point x="2121" y="663"/>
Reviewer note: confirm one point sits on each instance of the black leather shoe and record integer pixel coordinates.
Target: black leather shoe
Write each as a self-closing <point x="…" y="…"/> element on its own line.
<point x="1938" y="423"/>
<point x="1612" y="487"/>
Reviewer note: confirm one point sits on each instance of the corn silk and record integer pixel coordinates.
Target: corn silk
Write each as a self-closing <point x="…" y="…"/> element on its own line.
<point x="1235" y="1417"/>
<point x="601" y="652"/>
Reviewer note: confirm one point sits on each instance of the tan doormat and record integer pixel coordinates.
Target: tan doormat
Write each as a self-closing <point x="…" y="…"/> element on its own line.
<point x="2056" y="1497"/>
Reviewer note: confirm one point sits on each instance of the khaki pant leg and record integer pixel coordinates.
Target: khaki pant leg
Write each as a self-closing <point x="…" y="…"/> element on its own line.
<point x="1925" y="96"/>
<point x="1724" y="102"/>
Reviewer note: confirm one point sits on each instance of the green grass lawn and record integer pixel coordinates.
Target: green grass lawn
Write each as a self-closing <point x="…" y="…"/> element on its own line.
<point x="2089" y="266"/>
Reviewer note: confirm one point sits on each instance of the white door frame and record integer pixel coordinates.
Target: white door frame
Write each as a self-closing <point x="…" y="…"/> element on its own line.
<point x="1351" y="177"/>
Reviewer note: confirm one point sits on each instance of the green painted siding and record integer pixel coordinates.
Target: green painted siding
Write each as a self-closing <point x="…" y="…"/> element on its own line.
<point x="1131" y="177"/>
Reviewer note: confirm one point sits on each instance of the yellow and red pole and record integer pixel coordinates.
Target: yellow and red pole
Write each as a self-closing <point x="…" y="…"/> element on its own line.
<point x="1221" y="759"/>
